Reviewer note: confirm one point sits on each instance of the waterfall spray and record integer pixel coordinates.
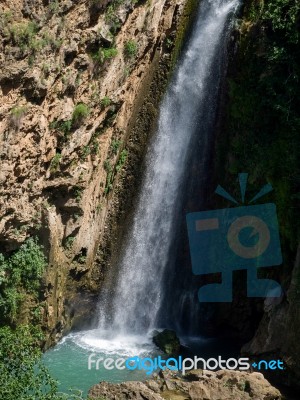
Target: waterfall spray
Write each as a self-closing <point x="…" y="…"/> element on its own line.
<point x="137" y="298"/>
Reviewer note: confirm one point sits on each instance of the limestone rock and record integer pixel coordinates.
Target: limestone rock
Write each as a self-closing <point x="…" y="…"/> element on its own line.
<point x="53" y="179"/>
<point x="204" y="385"/>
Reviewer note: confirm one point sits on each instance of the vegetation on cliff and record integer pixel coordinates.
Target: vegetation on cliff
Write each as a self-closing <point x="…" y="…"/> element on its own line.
<point x="261" y="136"/>
<point x="20" y="276"/>
<point x="263" y="120"/>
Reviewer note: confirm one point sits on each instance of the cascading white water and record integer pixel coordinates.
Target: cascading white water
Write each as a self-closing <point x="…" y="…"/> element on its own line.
<point x="136" y="299"/>
<point x="131" y="305"/>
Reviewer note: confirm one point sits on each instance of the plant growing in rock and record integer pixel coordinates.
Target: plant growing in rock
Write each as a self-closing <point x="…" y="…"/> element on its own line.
<point x="69" y="242"/>
<point x="85" y="152"/>
<point x="122" y="159"/>
<point x="130" y="49"/>
<point x="22" y="33"/>
<point x="63" y="126"/>
<point x="111" y="17"/>
<point x="54" y="165"/>
<point x="16" y="115"/>
<point x="105" y="102"/>
<point x="6" y="18"/>
<point x="80" y="113"/>
<point x="54" y="7"/>
<point x="109" y="177"/>
<point x="105" y="54"/>
<point x="23" y="374"/>
<point x="94" y="146"/>
<point x="115" y="145"/>
<point x="78" y="191"/>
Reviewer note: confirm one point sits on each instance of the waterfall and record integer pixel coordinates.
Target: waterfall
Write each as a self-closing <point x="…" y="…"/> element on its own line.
<point x="135" y="303"/>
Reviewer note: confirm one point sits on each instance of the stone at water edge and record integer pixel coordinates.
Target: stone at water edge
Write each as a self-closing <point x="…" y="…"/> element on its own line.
<point x="167" y="341"/>
<point x="196" y="385"/>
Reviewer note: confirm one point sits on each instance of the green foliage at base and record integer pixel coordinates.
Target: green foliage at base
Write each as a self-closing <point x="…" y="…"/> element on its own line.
<point x="20" y="275"/>
<point x="263" y="111"/>
<point x="23" y="376"/>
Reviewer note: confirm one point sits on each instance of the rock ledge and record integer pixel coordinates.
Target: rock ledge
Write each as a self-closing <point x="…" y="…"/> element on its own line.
<point x="196" y="385"/>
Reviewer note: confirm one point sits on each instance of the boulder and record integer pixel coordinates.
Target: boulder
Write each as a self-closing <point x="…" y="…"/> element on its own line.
<point x="167" y="341"/>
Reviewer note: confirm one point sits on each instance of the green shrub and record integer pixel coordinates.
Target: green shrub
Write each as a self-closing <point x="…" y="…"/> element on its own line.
<point x="69" y="242"/>
<point x="78" y="192"/>
<point x="115" y="144"/>
<point x="54" y="165"/>
<point x="122" y="159"/>
<point x="111" y="17"/>
<point x="20" y="274"/>
<point x="23" y="375"/>
<point x="62" y="126"/>
<point x="104" y="55"/>
<point x="85" y="152"/>
<point x="16" y="115"/>
<point x="105" y="102"/>
<point x="107" y="166"/>
<point x="130" y="49"/>
<point x="54" y="7"/>
<point x="81" y="111"/>
<point x="22" y="33"/>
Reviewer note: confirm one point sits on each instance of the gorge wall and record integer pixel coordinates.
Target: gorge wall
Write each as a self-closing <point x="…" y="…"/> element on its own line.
<point x="258" y="133"/>
<point x="79" y="86"/>
<point x="80" y="82"/>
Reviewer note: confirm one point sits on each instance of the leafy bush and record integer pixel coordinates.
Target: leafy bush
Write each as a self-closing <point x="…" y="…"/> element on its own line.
<point x="69" y="242"/>
<point x="20" y="274"/>
<point x="62" y="126"/>
<point x="111" y="14"/>
<point x="23" y="375"/>
<point x="105" y="102"/>
<point x="81" y="111"/>
<point x="105" y="55"/>
<point x="22" y="33"/>
<point x="109" y="177"/>
<point x="115" y="144"/>
<point x="54" y="165"/>
<point x="130" y="49"/>
<point x="16" y="115"/>
<point x="122" y="159"/>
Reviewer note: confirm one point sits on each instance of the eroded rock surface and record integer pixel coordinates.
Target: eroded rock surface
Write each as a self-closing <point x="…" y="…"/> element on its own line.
<point x="196" y="385"/>
<point x="60" y="171"/>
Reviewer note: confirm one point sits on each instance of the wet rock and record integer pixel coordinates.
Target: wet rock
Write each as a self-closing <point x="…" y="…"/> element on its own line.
<point x="167" y="341"/>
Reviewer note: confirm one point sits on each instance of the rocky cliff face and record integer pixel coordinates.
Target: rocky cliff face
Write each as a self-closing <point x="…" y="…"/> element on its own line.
<point x="73" y="120"/>
<point x="256" y="137"/>
<point x="278" y="331"/>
